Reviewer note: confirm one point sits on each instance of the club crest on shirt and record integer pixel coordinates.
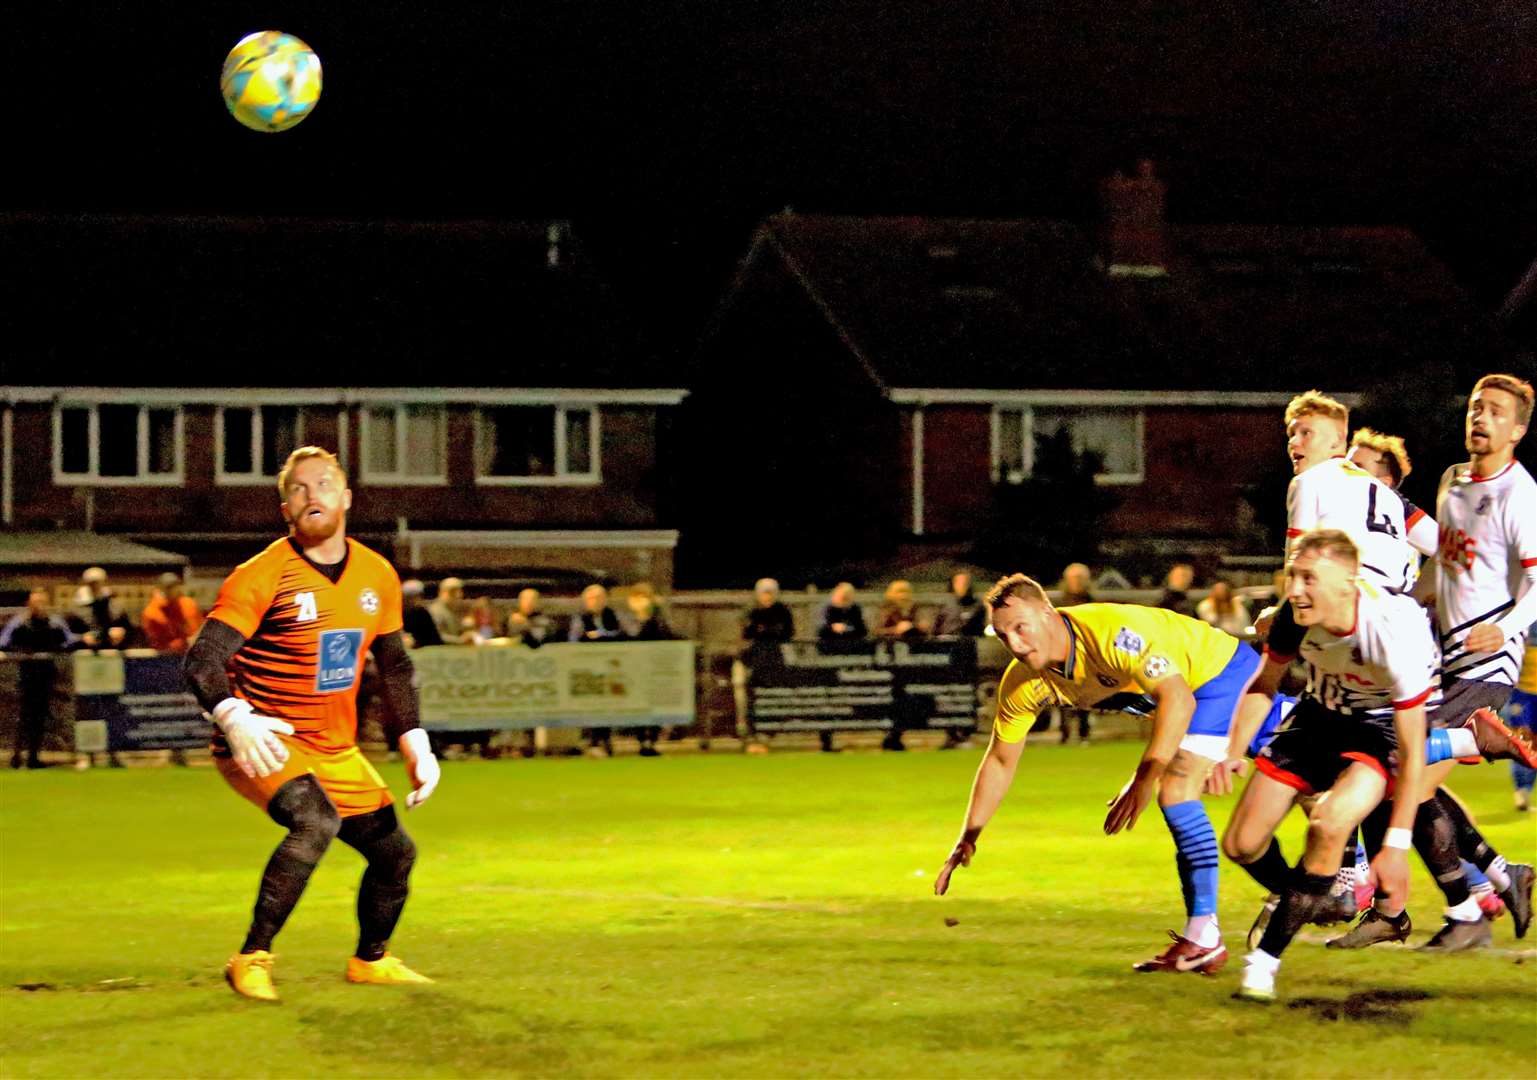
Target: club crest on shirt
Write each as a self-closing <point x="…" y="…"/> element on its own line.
<point x="368" y="600"/>
<point x="1129" y="642"/>
<point x="1483" y="506"/>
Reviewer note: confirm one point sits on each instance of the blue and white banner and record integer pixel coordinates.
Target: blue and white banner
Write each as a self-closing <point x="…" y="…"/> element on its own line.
<point x="617" y="684"/>
<point x="135" y="703"/>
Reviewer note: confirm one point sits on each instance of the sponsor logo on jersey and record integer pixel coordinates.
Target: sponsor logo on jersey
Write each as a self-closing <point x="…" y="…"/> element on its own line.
<point x="336" y="668"/>
<point x="368" y="600"/>
<point x="1129" y="642"/>
<point x="1156" y="667"/>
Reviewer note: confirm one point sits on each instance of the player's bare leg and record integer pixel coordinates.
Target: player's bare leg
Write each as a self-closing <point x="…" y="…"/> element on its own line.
<point x="1249" y="841"/>
<point x="1333" y="820"/>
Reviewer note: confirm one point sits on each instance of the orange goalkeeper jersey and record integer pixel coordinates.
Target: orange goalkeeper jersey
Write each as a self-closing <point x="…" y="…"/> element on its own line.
<point x="306" y="638"/>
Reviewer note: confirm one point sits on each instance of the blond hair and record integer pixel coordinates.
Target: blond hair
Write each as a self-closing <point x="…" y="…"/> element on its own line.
<point x="1015" y="586"/>
<point x="1316" y="403"/>
<point x="1391" y="447"/>
<point x="1520" y="389"/>
<point x="306" y="453"/>
<point x="1329" y="544"/>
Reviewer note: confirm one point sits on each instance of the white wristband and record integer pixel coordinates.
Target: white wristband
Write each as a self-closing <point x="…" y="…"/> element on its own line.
<point x="1398" y="838"/>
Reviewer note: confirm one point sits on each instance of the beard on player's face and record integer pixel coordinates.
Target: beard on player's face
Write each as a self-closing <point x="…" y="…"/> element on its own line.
<point x="316" y="523"/>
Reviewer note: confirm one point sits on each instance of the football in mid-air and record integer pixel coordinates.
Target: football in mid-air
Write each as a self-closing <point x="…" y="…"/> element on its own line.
<point x="271" y="80"/>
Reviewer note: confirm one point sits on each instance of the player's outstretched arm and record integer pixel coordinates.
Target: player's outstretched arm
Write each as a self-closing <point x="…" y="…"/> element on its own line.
<point x="994" y="776"/>
<point x="1252" y="710"/>
<point x="1392" y="863"/>
<point x="1171" y="719"/>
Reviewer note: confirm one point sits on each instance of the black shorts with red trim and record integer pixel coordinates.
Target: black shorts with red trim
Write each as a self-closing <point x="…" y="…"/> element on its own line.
<point x="1461" y="698"/>
<point x="1316" y="745"/>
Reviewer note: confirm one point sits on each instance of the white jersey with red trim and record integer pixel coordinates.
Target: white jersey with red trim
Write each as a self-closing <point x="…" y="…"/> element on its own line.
<point x="1338" y="494"/>
<point x="1487" y="560"/>
<point x="1387" y="662"/>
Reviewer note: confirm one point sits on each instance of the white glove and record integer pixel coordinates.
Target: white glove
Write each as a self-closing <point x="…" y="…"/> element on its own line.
<point x="253" y="740"/>
<point x="421" y="766"/>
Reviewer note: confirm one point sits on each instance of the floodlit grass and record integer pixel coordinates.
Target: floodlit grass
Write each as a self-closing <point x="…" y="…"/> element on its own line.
<point x="705" y="915"/>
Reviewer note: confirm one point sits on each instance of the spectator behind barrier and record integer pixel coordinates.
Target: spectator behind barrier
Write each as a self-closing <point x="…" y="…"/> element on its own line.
<point x="647" y="624"/>
<point x="596" y="622"/>
<point x="171" y="619"/>
<point x="1224" y="609"/>
<point x="764" y="625"/>
<point x="527" y="624"/>
<point x="1176" y="590"/>
<point x="1074" y="588"/>
<point x="35" y="631"/>
<point x="106" y="622"/>
<point x="842" y="620"/>
<point x="416" y="621"/>
<point x="842" y="617"/>
<point x="446" y="610"/>
<point x="480" y="624"/>
<point x="963" y="614"/>
<point x="898" y="621"/>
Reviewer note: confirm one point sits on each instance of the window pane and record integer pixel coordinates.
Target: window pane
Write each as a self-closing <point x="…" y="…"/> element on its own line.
<point x="119" y="426"/>
<point x="578" y="441"/>
<point x="75" y="440"/>
<point x="1011" y="444"/>
<point x="280" y="436"/>
<point x="1109" y="433"/>
<point x="162" y="441"/>
<point x="237" y="441"/>
<point x="518" y="440"/>
<point x="424" y="440"/>
<point x="380" y="451"/>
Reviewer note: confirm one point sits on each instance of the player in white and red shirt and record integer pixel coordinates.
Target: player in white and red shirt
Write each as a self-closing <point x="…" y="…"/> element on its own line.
<point x="1329" y="491"/>
<point x="1371" y="673"/>
<point x="1486" y="588"/>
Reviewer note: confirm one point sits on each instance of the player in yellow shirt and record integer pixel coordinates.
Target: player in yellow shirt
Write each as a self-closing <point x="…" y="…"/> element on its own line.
<point x="1195" y="674"/>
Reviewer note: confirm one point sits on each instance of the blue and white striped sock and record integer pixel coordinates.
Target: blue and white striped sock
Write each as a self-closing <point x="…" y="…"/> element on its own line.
<point x="1196" y="842"/>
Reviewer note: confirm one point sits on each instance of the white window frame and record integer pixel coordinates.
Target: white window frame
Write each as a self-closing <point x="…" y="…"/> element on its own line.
<point x="93" y="477"/>
<point x="256" y="477"/>
<point x="397" y="478"/>
<point x="561" y="477"/>
<point x="1027" y="435"/>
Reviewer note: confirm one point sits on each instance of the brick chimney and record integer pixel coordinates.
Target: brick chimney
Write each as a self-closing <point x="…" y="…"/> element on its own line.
<point x="1134" y="234"/>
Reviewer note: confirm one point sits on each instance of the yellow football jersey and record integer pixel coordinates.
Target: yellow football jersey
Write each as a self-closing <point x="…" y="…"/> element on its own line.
<point x="1528" y="681"/>
<point x="1112" y="648"/>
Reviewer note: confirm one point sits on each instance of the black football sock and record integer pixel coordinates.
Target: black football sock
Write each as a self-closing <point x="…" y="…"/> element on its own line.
<point x="391" y="853"/>
<point x="1435" y="839"/>
<point x="311" y="820"/>
<point x="1302" y="899"/>
<point x="1270" y="869"/>
<point x="1471" y="844"/>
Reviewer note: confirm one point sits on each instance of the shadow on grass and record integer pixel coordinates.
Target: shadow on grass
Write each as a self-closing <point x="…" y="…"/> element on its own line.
<point x="1373" y="1006"/>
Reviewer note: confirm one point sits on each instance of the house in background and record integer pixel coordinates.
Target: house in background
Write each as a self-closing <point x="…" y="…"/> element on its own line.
<point x="901" y="369"/>
<point x="496" y="416"/>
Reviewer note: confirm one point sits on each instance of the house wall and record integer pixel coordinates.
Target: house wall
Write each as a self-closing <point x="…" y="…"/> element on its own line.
<point x="626" y="497"/>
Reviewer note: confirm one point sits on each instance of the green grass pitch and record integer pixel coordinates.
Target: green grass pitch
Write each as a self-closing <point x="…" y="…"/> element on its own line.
<point x="707" y="915"/>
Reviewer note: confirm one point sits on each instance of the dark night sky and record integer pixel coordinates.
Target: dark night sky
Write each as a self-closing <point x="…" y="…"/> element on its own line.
<point x="665" y="130"/>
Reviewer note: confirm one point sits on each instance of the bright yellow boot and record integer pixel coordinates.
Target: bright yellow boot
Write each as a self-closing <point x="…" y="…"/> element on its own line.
<point x="250" y="975"/>
<point x="385" y="971"/>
